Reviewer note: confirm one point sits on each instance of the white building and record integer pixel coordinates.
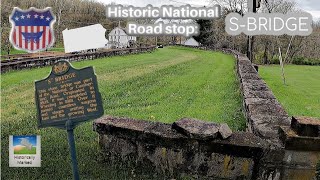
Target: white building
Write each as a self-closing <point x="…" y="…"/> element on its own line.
<point x="191" y="42"/>
<point x="118" y="38"/>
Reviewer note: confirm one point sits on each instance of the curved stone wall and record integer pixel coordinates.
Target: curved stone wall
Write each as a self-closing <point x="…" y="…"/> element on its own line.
<point x="273" y="148"/>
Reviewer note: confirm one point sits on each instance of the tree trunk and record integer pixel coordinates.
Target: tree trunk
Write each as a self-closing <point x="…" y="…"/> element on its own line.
<point x="265" y="55"/>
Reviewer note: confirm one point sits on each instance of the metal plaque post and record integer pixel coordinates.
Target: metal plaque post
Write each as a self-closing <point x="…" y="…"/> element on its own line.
<point x="72" y="146"/>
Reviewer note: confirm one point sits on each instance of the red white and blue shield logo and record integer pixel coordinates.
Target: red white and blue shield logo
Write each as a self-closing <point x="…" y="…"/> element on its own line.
<point x="32" y="29"/>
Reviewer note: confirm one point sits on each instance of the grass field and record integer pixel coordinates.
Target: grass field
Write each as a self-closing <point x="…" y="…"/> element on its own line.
<point x="15" y="51"/>
<point x="301" y="94"/>
<point x="165" y="85"/>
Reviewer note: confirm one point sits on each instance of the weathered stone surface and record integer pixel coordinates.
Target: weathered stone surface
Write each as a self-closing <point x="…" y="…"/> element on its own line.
<point x="249" y="76"/>
<point x="298" y="162"/>
<point x="259" y="86"/>
<point x="196" y="129"/>
<point x="267" y="126"/>
<point x="163" y="131"/>
<point x="109" y="122"/>
<point x="306" y="126"/>
<point x="225" y="131"/>
<point x="276" y="120"/>
<point x="263" y="111"/>
<point x="159" y="149"/>
<point x="246" y="68"/>
<point x="258" y="101"/>
<point x="242" y="57"/>
<point x="252" y="81"/>
<point x="248" y="93"/>
<point x="243" y="61"/>
<point x="270" y="109"/>
<point x="301" y="158"/>
<point x="293" y="141"/>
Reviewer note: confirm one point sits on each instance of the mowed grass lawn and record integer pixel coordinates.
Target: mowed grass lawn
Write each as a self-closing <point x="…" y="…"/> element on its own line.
<point x="301" y="94"/>
<point x="165" y="85"/>
<point x="15" y="51"/>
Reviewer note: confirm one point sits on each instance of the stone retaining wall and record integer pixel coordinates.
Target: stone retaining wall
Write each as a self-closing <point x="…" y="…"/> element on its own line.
<point x="161" y="149"/>
<point x="261" y="108"/>
<point x="273" y="148"/>
<point x="263" y="111"/>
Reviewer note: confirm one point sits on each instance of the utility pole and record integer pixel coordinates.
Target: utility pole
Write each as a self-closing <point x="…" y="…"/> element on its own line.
<point x="252" y="7"/>
<point x="156" y="40"/>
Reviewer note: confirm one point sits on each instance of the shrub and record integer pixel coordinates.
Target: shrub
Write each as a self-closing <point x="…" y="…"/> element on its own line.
<point x="298" y="60"/>
<point x="275" y="60"/>
<point x="305" y="61"/>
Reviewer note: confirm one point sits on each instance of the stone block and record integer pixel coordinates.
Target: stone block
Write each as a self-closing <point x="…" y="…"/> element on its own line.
<point x="267" y="109"/>
<point x="163" y="131"/>
<point x="252" y="81"/>
<point x="293" y="141"/>
<point x="246" y="68"/>
<point x="156" y="149"/>
<point x="244" y="62"/>
<point x="245" y="75"/>
<point x="258" y="94"/>
<point x="196" y="129"/>
<point x="256" y="86"/>
<point x="306" y="126"/>
<point x="106" y="123"/>
<point x="225" y="131"/>
<point x="301" y="158"/>
<point x="267" y="126"/>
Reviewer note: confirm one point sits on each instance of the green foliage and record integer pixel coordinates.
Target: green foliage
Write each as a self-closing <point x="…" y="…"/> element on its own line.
<point x="275" y="60"/>
<point x="258" y="57"/>
<point x="205" y="32"/>
<point x="305" y="61"/>
<point x="12" y="51"/>
<point x="301" y="95"/>
<point x="165" y="85"/>
<point x="15" y="51"/>
<point x="295" y="60"/>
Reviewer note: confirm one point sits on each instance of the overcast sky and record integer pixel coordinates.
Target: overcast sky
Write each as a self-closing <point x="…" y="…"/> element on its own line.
<point x="311" y="6"/>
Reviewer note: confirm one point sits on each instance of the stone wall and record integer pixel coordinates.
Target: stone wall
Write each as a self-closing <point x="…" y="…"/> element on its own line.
<point x="261" y="108"/>
<point x="263" y="111"/>
<point x="166" y="150"/>
<point x="31" y="62"/>
<point x="273" y="147"/>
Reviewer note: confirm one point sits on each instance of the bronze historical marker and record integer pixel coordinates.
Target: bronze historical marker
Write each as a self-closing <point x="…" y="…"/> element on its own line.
<point x="67" y="94"/>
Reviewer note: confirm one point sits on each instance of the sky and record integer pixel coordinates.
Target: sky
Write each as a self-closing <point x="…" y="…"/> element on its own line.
<point x="311" y="6"/>
<point x="32" y="139"/>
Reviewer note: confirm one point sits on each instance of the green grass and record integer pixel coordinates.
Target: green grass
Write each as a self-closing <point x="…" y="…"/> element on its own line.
<point x="26" y="151"/>
<point x="15" y="51"/>
<point x="165" y="85"/>
<point x="301" y="94"/>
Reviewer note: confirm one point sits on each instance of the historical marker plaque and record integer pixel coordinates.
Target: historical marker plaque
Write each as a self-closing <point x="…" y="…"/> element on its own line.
<point x="67" y="94"/>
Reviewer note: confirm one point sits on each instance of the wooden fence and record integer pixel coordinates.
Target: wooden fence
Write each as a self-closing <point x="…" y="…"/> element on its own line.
<point x="31" y="62"/>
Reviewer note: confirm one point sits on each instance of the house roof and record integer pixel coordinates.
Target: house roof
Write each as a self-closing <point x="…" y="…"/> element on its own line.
<point x="117" y="28"/>
<point x="191" y="40"/>
<point x="123" y="30"/>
